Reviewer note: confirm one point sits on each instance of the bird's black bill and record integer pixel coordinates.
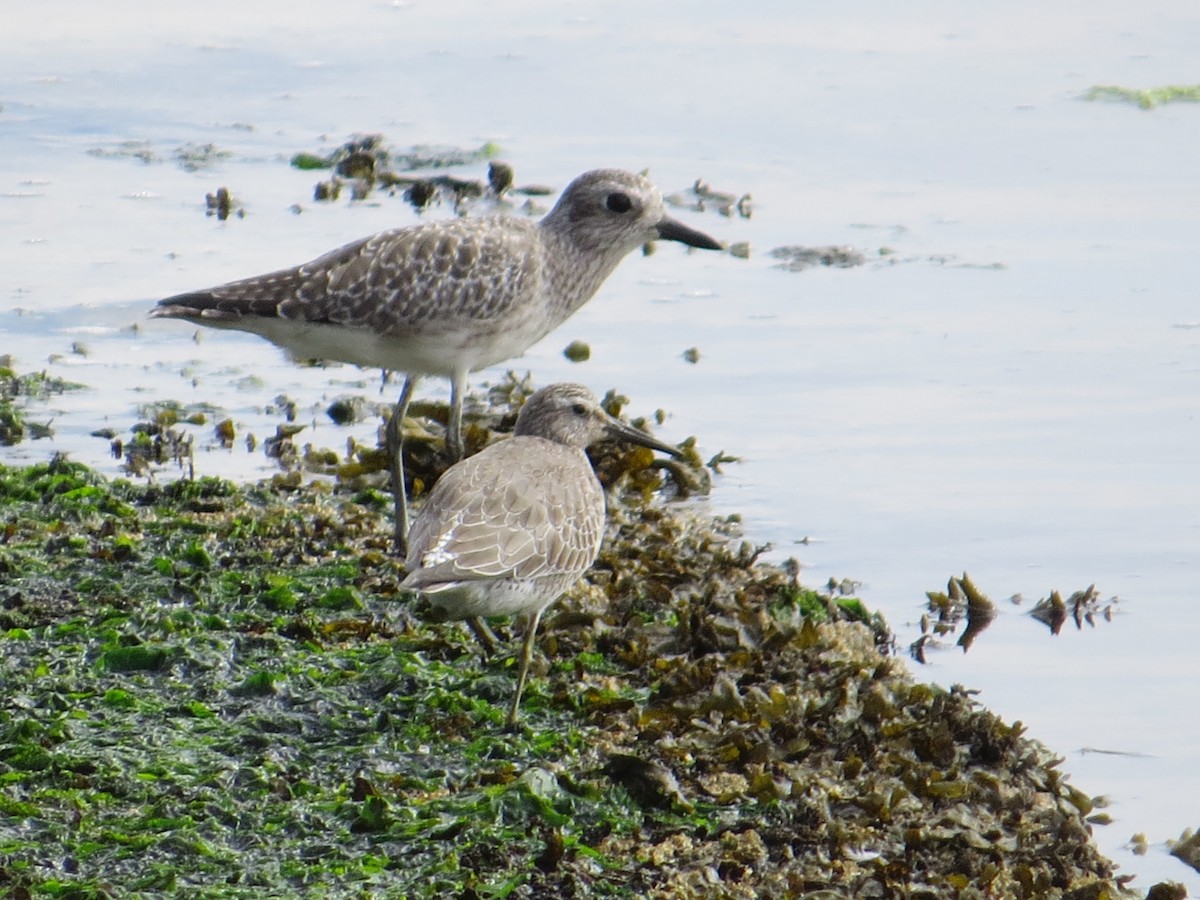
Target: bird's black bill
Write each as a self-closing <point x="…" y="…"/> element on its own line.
<point x="672" y="230"/>
<point x="618" y="430"/>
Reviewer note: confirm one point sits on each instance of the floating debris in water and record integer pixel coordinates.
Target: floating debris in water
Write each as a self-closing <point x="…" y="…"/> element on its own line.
<point x="16" y="391"/>
<point x="577" y="351"/>
<point x="500" y="177"/>
<point x="157" y="443"/>
<point x="1146" y="98"/>
<point x="350" y="409"/>
<point x="964" y="604"/>
<point x="327" y="190"/>
<point x="356" y="164"/>
<point x="1187" y="848"/>
<point x="281" y="447"/>
<point x="980" y="610"/>
<point x="221" y="205"/>
<point x="366" y="162"/>
<point x="700" y="197"/>
<point x="1082" y="606"/>
<point x="139" y="150"/>
<point x="372" y="151"/>
<point x="308" y="162"/>
<point x="225" y="432"/>
<point x="194" y="157"/>
<point x="421" y="193"/>
<point x="12" y="425"/>
<point x="719" y="459"/>
<point x="798" y="258"/>
<point x="1167" y="890"/>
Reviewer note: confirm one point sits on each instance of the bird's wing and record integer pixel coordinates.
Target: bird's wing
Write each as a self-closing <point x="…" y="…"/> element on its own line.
<point x="521" y="509"/>
<point x="475" y="269"/>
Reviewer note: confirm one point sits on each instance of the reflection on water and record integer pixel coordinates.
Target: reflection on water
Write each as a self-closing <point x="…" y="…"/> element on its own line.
<point x="1029" y="415"/>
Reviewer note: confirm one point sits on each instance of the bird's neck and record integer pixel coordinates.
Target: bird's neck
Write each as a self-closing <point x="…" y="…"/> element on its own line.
<point x="573" y="274"/>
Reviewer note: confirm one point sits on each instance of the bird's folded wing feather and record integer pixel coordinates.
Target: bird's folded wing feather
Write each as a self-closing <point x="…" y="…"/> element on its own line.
<point x="511" y="514"/>
<point x="447" y="271"/>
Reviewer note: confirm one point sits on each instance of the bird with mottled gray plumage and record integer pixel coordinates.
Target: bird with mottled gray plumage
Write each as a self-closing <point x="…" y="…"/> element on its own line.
<point x="445" y="298"/>
<point x="507" y="531"/>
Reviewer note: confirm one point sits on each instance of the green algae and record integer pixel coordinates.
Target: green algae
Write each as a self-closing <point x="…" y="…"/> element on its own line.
<point x="242" y="704"/>
<point x="1144" y="98"/>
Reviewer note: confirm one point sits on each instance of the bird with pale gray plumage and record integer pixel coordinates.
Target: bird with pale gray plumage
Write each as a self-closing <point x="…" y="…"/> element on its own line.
<point x="445" y="298"/>
<point x="509" y="530"/>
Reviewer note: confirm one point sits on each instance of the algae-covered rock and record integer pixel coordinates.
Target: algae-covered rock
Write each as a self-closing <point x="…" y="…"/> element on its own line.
<point x="219" y="689"/>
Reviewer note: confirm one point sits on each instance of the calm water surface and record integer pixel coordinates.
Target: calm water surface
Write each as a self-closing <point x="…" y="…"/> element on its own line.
<point x="1011" y="390"/>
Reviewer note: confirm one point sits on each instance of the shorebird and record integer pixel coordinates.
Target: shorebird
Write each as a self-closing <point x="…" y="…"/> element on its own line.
<point x="445" y="298"/>
<point x="508" y="530"/>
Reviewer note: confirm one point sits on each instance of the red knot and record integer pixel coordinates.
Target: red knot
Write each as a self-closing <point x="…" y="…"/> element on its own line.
<point x="508" y="530"/>
<point x="445" y="298"/>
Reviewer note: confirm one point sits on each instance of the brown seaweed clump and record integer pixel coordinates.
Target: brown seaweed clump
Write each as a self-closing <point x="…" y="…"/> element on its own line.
<point x="805" y="757"/>
<point x="774" y="745"/>
<point x="764" y="737"/>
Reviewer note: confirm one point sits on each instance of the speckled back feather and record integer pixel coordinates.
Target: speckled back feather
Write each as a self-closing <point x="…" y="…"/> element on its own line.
<point x="503" y="279"/>
<point x="526" y="508"/>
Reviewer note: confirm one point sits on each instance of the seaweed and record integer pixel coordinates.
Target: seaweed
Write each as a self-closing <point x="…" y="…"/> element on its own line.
<point x="220" y="689"/>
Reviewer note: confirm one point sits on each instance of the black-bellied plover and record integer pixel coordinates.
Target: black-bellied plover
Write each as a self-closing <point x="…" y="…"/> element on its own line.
<point x="448" y="297"/>
<point x="508" y="530"/>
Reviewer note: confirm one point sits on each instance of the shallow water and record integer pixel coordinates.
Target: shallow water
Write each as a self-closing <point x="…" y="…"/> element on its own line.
<point x="1010" y="390"/>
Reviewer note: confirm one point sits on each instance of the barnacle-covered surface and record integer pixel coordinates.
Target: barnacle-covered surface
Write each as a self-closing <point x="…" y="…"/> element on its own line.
<point x="218" y="688"/>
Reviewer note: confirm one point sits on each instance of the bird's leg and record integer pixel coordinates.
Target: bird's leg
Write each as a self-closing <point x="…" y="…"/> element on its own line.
<point x="526" y="658"/>
<point x="454" y="435"/>
<point x="395" y="442"/>
<point x="485" y="635"/>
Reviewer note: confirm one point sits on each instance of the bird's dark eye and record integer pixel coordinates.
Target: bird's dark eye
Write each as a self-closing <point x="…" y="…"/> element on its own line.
<point x="618" y="202"/>
<point x="579" y="409"/>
